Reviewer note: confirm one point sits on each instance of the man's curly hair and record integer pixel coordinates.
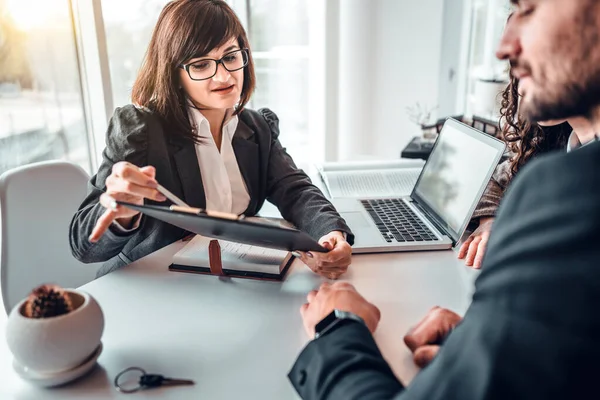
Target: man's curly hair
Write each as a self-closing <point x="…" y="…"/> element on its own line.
<point x="524" y="138"/>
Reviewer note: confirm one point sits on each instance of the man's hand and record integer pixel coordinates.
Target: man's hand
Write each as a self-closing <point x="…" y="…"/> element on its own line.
<point x="342" y="296"/>
<point x="423" y="340"/>
<point x="474" y="247"/>
<point x="333" y="263"/>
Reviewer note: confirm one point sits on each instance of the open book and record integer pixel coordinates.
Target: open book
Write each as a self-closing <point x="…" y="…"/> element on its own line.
<point x="237" y="259"/>
<point x="371" y="178"/>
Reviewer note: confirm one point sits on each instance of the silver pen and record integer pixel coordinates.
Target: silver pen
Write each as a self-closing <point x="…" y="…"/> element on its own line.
<point x="171" y="196"/>
<point x="181" y="205"/>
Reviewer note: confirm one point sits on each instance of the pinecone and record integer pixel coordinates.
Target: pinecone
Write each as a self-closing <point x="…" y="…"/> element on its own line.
<point x="47" y="301"/>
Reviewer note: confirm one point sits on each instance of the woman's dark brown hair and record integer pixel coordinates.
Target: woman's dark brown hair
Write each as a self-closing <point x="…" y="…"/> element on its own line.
<point x="186" y="29"/>
<point x="526" y="139"/>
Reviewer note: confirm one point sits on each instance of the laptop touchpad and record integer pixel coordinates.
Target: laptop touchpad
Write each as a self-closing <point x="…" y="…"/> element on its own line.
<point x="356" y="220"/>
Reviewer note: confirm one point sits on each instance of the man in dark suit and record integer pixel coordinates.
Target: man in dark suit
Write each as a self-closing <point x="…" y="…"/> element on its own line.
<point x="532" y="329"/>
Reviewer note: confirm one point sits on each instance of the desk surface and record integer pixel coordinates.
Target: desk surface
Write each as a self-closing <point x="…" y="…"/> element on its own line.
<point x="239" y="338"/>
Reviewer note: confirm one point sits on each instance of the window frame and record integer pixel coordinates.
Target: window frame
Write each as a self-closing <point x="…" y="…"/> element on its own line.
<point x="92" y="54"/>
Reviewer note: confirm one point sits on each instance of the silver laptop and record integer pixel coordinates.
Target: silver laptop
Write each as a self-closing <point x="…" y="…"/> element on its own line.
<point x="438" y="210"/>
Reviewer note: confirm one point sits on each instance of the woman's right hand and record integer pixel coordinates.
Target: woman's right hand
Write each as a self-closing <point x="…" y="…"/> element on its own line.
<point x="129" y="183"/>
<point x="474" y="247"/>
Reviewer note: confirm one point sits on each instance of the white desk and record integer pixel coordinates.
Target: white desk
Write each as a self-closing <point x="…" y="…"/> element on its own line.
<point x="238" y="338"/>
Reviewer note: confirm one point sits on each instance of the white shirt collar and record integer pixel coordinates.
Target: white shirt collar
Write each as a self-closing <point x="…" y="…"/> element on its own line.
<point x="573" y="142"/>
<point x="202" y="125"/>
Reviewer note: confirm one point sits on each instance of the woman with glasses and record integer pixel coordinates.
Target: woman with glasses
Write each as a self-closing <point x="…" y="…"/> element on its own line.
<point x="189" y="131"/>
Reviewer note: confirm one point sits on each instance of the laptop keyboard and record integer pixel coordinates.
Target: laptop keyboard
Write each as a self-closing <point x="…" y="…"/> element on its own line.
<point x="397" y="221"/>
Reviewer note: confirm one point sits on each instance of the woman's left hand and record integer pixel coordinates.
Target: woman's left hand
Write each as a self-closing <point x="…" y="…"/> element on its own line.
<point x="333" y="263"/>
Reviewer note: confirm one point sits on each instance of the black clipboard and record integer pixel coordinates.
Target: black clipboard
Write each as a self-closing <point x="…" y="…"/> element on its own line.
<point x="230" y="227"/>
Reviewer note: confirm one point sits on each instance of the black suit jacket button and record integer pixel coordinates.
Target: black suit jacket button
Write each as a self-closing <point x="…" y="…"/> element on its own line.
<point x="302" y="378"/>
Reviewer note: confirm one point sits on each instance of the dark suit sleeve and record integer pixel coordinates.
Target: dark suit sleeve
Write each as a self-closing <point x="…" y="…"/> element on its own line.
<point x="344" y="364"/>
<point x="531" y="331"/>
<point x="291" y="190"/>
<point x="126" y="140"/>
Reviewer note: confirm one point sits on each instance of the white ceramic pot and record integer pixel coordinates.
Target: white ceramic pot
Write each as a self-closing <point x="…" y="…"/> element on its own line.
<point x="56" y="344"/>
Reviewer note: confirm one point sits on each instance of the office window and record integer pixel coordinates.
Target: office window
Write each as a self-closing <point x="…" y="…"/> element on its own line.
<point x="278" y="32"/>
<point x="487" y="76"/>
<point x="128" y="25"/>
<point x="41" y="109"/>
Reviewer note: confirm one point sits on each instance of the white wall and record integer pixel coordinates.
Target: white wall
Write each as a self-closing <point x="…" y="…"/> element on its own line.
<point x="357" y="59"/>
<point x="408" y="49"/>
<point x="452" y="58"/>
<point x="395" y="47"/>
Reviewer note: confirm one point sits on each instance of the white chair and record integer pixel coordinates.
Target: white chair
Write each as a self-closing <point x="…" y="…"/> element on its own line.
<point x="37" y="202"/>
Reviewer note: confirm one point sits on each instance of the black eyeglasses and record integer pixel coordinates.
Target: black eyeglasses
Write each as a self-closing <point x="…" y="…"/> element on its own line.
<point x="207" y="67"/>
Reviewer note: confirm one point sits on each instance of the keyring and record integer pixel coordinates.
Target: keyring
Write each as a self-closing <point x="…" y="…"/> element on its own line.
<point x="123" y="389"/>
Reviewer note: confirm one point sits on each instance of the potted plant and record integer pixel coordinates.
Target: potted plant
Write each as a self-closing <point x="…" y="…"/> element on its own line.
<point x="54" y="330"/>
<point x="421" y="115"/>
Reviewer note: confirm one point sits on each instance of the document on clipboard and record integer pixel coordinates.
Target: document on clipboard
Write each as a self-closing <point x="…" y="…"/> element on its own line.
<point x="219" y="225"/>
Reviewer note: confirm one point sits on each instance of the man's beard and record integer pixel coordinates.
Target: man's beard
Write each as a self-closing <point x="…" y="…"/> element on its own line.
<point x="566" y="100"/>
<point x="575" y="89"/>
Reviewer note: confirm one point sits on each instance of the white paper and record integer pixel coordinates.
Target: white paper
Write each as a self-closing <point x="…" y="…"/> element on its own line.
<point x="372" y="183"/>
<point x="371" y="179"/>
<point x="370" y="165"/>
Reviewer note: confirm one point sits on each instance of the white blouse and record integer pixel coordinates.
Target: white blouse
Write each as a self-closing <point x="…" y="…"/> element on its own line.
<point x="224" y="186"/>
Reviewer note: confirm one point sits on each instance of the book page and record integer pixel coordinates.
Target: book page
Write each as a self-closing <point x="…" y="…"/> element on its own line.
<point x="372" y="183"/>
<point x="353" y="166"/>
<point x="234" y="256"/>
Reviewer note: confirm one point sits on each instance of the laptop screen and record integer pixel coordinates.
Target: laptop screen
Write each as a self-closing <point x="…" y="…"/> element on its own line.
<point x="456" y="174"/>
